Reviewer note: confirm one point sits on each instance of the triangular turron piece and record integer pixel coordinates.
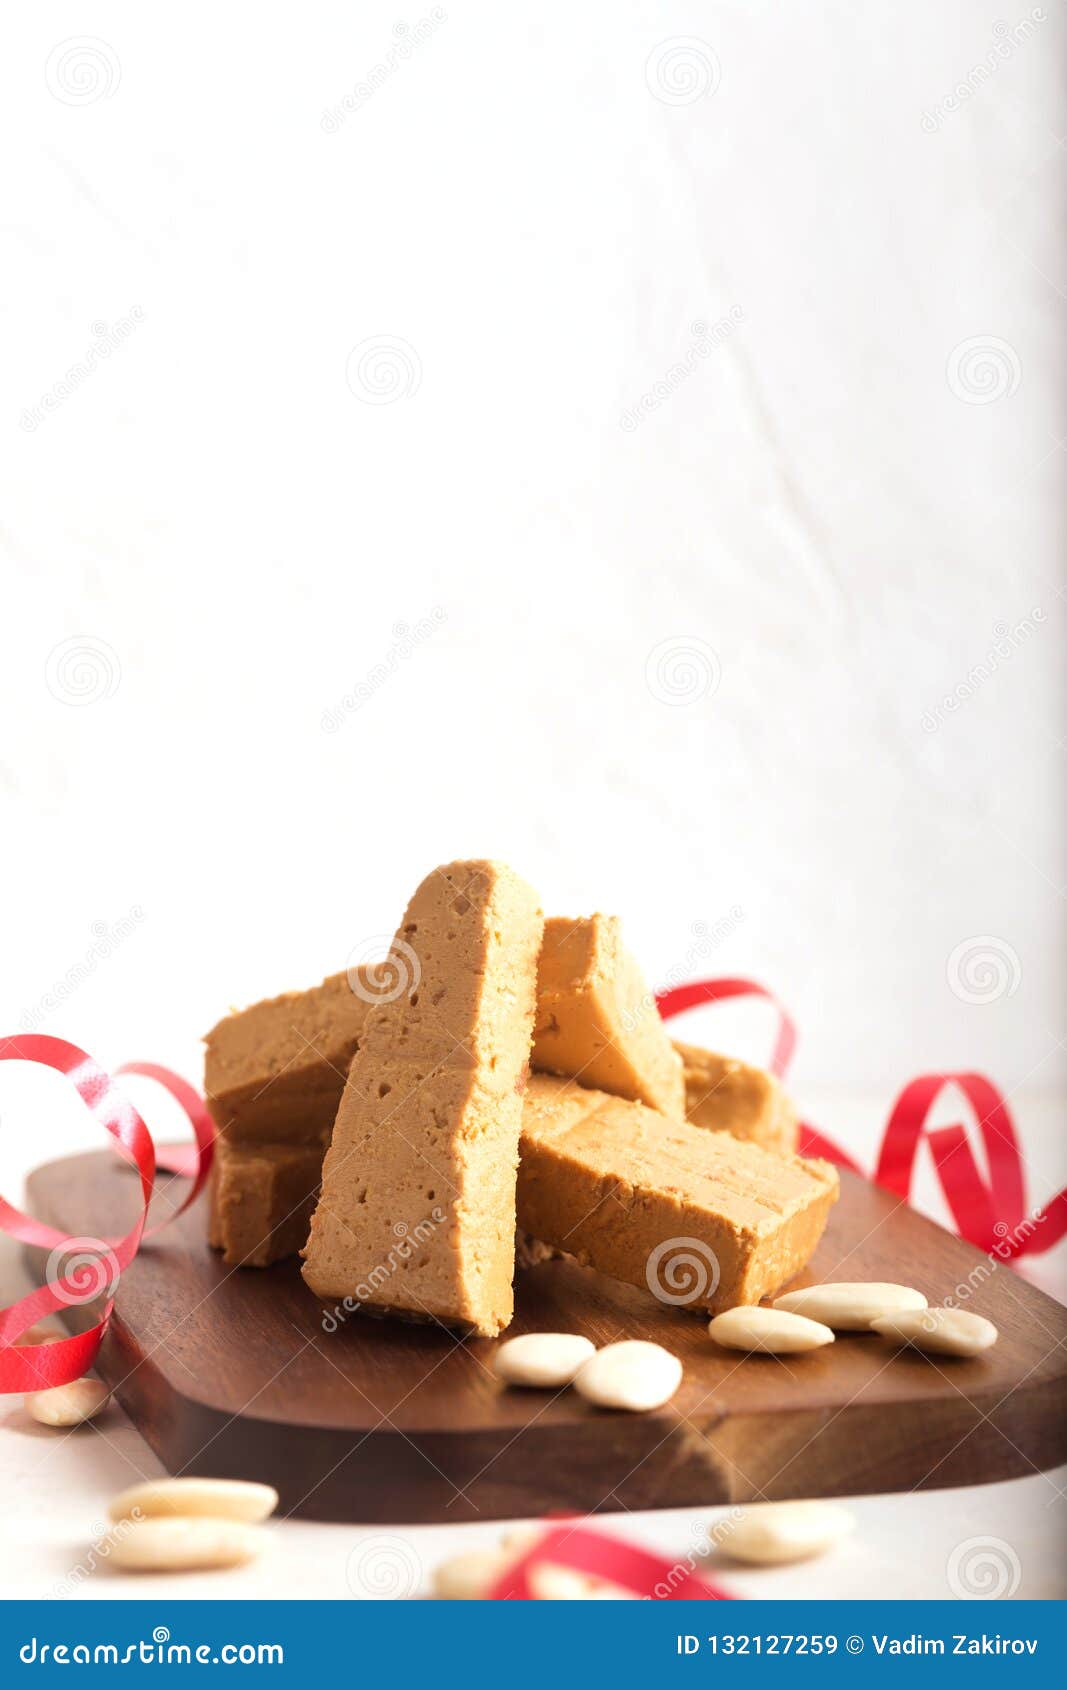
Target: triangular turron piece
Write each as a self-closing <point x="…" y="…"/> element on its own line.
<point x="597" y="1021"/>
<point x="417" y="1210"/>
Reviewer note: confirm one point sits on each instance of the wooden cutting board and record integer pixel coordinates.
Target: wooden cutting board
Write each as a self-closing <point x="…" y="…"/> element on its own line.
<point x="231" y="1373"/>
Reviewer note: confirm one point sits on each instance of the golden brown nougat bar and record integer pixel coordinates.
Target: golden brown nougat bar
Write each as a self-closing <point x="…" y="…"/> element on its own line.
<point x="262" y="1198"/>
<point x="255" y="1176"/>
<point x="275" y="1072"/>
<point x="724" y="1095"/>
<point x="431" y="1111"/>
<point x="616" y="1184"/>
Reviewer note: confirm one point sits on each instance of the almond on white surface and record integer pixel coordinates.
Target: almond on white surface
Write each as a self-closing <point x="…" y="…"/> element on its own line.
<point x="771" y="1533"/>
<point x="632" y="1375"/>
<point x="850" y="1305"/>
<point x="943" y="1332"/>
<point x="469" y="1577"/>
<point x="174" y="1545"/>
<point x="772" y="1331"/>
<point x="552" y="1583"/>
<point x="541" y="1360"/>
<point x="227" y="1499"/>
<point x="68" y="1405"/>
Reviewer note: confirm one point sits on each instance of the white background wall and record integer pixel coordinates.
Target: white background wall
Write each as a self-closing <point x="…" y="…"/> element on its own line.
<point x="830" y="519"/>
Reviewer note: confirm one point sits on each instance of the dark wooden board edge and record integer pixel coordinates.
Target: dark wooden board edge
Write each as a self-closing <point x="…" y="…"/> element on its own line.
<point x="659" y="1460"/>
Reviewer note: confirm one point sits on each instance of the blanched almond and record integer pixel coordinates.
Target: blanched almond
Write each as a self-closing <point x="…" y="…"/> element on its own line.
<point x="41" y="1334"/>
<point x="542" y="1360"/>
<point x="943" y="1332"/>
<point x="850" y="1306"/>
<point x="774" y="1532"/>
<point x="68" y="1405"/>
<point x="633" y="1375"/>
<point x="180" y="1545"/>
<point x="552" y="1583"/>
<point x="773" y="1331"/>
<point x="225" y="1499"/>
<point x="469" y="1577"/>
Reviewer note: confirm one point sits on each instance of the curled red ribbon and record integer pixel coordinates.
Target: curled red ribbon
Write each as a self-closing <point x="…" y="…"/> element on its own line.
<point x="36" y="1367"/>
<point x="581" y="1550"/>
<point x="993" y="1216"/>
<point x="694" y="992"/>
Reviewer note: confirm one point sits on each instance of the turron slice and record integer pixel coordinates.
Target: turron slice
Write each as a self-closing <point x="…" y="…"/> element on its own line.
<point x="501" y="1072"/>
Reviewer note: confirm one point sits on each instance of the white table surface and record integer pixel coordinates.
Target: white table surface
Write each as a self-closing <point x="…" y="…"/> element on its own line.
<point x="56" y="1486"/>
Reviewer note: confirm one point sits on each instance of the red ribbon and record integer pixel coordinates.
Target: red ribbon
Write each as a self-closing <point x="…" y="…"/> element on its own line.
<point x="191" y="1161"/>
<point x="581" y="1550"/>
<point x="991" y="1215"/>
<point x="97" y="1262"/>
<point x="680" y="998"/>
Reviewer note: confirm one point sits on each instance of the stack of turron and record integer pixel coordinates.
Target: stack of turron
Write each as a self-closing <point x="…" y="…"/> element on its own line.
<point x="497" y="1090"/>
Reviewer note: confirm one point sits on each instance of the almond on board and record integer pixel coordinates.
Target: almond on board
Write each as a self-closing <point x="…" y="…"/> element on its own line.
<point x="774" y="1331"/>
<point x="850" y="1305"/>
<point x="943" y="1332"/>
